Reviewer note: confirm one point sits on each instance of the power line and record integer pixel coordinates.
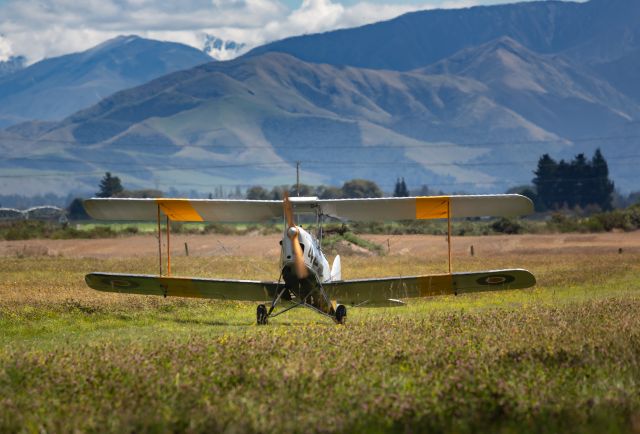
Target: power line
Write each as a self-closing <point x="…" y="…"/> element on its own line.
<point x="437" y="144"/>
<point x="308" y="163"/>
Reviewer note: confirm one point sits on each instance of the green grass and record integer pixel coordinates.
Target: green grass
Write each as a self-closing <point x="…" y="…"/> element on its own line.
<point x="564" y="356"/>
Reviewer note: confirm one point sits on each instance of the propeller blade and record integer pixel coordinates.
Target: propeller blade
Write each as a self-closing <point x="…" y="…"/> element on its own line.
<point x="288" y="210"/>
<point x="298" y="258"/>
<point x="292" y="233"/>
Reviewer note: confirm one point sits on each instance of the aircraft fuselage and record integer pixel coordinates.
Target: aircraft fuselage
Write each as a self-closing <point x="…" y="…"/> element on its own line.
<point x="316" y="264"/>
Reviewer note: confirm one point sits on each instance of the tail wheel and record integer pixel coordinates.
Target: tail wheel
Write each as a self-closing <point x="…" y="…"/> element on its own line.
<point x="341" y="314"/>
<point x="261" y="314"/>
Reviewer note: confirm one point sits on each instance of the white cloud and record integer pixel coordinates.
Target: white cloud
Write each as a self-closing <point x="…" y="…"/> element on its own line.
<point x="5" y="48"/>
<point x="47" y="28"/>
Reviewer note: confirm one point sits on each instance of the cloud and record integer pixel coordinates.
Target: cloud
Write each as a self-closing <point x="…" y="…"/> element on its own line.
<point x="48" y="28"/>
<point x="5" y="48"/>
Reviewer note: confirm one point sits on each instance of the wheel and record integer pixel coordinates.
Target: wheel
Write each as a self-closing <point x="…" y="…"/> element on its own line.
<point x="261" y="314"/>
<point x="341" y="314"/>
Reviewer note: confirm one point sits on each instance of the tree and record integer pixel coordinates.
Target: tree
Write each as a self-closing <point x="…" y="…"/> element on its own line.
<point x="400" y="189"/>
<point x="633" y="198"/>
<point x="424" y="190"/>
<point x="327" y="192"/>
<point x="578" y="176"/>
<point x="76" y="210"/>
<point x="109" y="186"/>
<point x="305" y="190"/>
<point x="257" y="193"/>
<point x="144" y="193"/>
<point x="546" y="182"/>
<point x="359" y="188"/>
<point x="600" y="186"/>
<point x="563" y="186"/>
<point x="277" y="192"/>
<point x="578" y="183"/>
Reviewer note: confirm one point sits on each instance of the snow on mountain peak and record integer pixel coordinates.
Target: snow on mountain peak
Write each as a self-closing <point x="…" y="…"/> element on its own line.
<point x="221" y="49"/>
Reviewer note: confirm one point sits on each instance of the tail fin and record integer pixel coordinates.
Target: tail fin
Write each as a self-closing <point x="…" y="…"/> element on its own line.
<point x="336" y="269"/>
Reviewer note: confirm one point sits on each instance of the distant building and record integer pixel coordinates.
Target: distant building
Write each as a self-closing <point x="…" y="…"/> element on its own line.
<point x="11" y="214"/>
<point x="47" y="213"/>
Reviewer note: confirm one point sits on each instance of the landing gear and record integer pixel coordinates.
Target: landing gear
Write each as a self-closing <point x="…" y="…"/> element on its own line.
<point x="261" y="314"/>
<point x="341" y="314"/>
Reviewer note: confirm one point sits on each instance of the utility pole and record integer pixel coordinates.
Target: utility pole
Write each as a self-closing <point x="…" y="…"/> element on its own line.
<point x="298" y="178"/>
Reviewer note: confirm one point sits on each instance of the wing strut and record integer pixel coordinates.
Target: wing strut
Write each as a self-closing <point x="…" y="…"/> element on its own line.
<point x="449" y="231"/>
<point x="159" y="243"/>
<point x="168" y="247"/>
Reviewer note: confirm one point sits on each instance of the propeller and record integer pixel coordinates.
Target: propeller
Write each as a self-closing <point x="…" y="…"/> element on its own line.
<point x="292" y="233"/>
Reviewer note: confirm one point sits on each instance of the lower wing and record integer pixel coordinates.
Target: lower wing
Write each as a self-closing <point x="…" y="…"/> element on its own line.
<point x="387" y="291"/>
<point x="249" y="290"/>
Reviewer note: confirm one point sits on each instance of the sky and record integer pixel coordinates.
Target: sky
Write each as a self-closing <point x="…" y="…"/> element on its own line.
<point x="39" y="29"/>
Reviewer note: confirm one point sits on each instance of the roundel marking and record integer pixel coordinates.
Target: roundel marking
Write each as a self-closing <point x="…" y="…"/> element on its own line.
<point x="120" y="283"/>
<point x="496" y="279"/>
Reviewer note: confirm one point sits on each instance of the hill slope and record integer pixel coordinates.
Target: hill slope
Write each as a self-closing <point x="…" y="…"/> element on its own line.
<point x="469" y="101"/>
<point x="54" y="88"/>
<point x="592" y="32"/>
<point x="11" y="65"/>
<point x="452" y="124"/>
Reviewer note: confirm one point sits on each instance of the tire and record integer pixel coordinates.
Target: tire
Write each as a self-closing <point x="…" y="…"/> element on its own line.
<point x="261" y="314"/>
<point x="341" y="314"/>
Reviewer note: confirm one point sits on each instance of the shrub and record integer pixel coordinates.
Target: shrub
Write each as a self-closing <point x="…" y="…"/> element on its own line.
<point x="219" y="228"/>
<point x="618" y="219"/>
<point x="507" y="226"/>
<point x="634" y="216"/>
<point x="562" y="223"/>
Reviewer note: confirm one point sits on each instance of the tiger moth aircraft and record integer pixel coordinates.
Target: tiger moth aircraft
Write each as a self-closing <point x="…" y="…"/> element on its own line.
<point x="306" y="279"/>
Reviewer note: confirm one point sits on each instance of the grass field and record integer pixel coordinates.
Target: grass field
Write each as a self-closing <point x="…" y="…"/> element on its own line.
<point x="564" y="356"/>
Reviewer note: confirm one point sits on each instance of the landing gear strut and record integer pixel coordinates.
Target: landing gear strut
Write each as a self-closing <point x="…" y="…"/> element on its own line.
<point x="341" y="314"/>
<point x="261" y="314"/>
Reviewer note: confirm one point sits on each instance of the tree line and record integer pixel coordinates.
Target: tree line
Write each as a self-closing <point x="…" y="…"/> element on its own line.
<point x="560" y="184"/>
<point x="353" y="189"/>
<point x="569" y="184"/>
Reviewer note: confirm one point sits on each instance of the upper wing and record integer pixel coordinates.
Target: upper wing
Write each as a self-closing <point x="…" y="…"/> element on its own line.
<point x="428" y="207"/>
<point x="190" y="210"/>
<point x="375" y="209"/>
<point x="381" y="291"/>
<point x="249" y="290"/>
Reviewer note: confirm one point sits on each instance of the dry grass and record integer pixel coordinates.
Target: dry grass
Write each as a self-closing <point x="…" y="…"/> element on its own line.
<point x="564" y="356"/>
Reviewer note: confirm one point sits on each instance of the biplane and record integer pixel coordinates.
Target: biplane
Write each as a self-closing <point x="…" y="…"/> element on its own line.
<point x="306" y="279"/>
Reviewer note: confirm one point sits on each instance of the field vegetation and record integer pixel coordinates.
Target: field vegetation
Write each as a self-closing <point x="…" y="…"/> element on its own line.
<point x="620" y="219"/>
<point x="564" y="356"/>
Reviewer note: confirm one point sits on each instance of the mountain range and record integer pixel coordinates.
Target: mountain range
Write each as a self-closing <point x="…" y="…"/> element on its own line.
<point x="463" y="99"/>
<point x="55" y="88"/>
<point x="11" y="65"/>
<point x="592" y="32"/>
